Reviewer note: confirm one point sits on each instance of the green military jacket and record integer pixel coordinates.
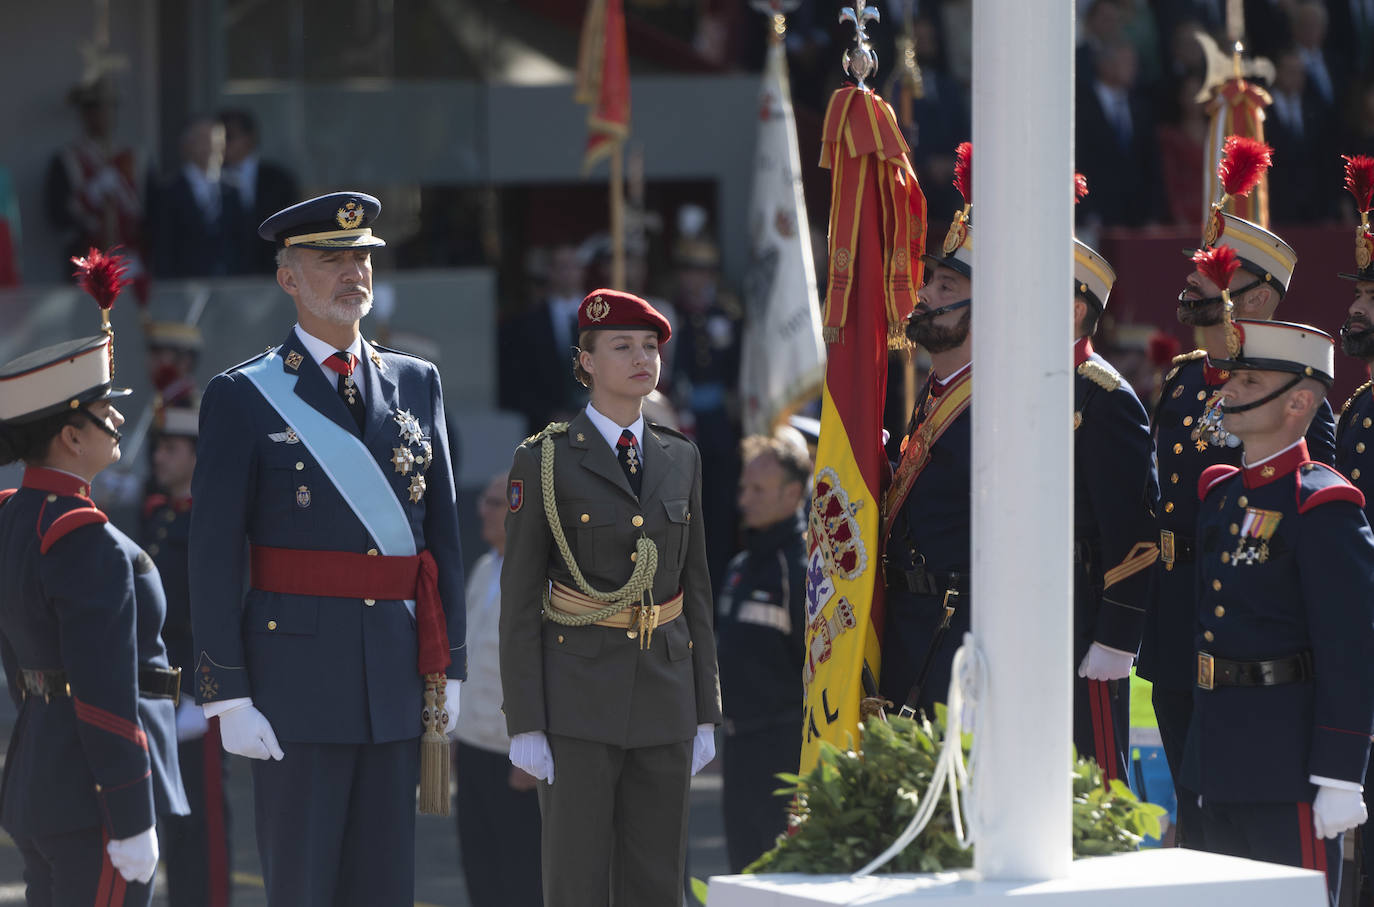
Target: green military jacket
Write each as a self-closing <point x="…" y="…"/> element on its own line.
<point x="597" y="683"/>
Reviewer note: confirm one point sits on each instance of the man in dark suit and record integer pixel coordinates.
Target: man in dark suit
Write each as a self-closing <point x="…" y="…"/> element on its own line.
<point x="329" y="456"/>
<point x="535" y="347"/>
<point x="1115" y="135"/>
<point x="1298" y="126"/>
<point x="263" y="188"/>
<point x="194" y="213"/>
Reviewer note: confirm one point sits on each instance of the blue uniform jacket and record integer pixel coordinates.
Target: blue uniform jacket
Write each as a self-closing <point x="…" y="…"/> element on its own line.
<point x="1166" y="654"/>
<point x="1355" y="442"/>
<point x="165" y="532"/>
<point x="77" y="595"/>
<point x="321" y="669"/>
<point x="1116" y="490"/>
<point x="1286" y="566"/>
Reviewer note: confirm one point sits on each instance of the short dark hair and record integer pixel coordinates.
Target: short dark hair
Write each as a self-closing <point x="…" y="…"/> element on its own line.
<point x="240" y="119"/>
<point x="795" y="463"/>
<point x="1090" y="318"/>
<point x="29" y="441"/>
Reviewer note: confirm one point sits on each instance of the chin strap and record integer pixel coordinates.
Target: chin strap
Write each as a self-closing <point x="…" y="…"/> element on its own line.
<point x="1191" y="304"/>
<point x="1246" y="407"/>
<point x="101" y="424"/>
<point x="936" y="313"/>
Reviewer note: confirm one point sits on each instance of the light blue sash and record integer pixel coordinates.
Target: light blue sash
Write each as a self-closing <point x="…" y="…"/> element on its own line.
<point x="346" y="461"/>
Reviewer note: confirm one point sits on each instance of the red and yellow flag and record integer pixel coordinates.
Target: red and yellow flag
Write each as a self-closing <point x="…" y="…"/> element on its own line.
<point x="877" y="236"/>
<point x="1235" y="108"/>
<point x="603" y="79"/>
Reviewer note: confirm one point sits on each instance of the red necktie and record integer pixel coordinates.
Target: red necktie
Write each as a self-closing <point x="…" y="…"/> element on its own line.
<point x="345" y="364"/>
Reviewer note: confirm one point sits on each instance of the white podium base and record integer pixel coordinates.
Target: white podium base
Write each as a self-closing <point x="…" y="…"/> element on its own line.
<point x="1145" y="879"/>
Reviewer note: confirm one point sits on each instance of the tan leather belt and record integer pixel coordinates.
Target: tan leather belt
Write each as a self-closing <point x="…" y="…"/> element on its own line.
<point x="634" y="619"/>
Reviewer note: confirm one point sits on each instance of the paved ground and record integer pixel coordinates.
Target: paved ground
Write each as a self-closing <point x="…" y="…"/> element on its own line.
<point x="438" y="876"/>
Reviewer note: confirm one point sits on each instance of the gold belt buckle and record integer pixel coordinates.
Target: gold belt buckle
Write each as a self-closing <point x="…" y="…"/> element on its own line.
<point x="1205" y="673"/>
<point x="1166" y="546"/>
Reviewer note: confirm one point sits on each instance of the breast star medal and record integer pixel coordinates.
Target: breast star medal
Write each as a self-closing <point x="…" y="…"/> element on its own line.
<point x="403" y="459"/>
<point x="409" y="426"/>
<point x="1209" y="430"/>
<point x="417" y="488"/>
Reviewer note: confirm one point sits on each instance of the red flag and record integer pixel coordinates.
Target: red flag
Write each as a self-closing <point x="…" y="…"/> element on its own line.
<point x="603" y="78"/>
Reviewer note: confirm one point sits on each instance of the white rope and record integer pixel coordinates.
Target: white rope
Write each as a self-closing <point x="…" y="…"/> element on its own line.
<point x="968" y="677"/>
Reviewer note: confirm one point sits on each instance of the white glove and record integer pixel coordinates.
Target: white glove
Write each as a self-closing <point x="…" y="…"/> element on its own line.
<point x="1336" y="810"/>
<point x="703" y="747"/>
<point x="1105" y="663"/>
<point x="136" y="857"/>
<point x="246" y="732"/>
<point x="451" y="688"/>
<point x="191" y="722"/>
<point x="530" y="753"/>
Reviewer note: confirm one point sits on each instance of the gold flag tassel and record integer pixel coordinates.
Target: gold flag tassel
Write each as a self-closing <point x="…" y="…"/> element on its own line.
<point x="434" y="754"/>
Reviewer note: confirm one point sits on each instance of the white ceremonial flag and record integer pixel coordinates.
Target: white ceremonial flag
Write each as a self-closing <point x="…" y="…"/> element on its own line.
<point x="783" y="357"/>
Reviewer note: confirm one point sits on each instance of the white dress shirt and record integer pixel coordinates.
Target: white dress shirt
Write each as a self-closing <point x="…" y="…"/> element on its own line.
<point x="611" y="431"/>
<point x="320" y="351"/>
<point x="481" y="722"/>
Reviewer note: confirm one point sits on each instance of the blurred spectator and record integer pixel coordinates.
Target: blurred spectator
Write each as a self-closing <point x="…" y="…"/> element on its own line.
<point x="940" y="121"/>
<point x="1325" y="73"/>
<point x="535" y="347"/>
<point x="263" y="187"/>
<point x="705" y="384"/>
<point x="93" y="189"/>
<point x="1116" y="145"/>
<point x="762" y="628"/>
<point x="195" y="215"/>
<point x="1298" y="126"/>
<point x="173" y="354"/>
<point x="1182" y="140"/>
<point x="498" y="810"/>
<point x="1350" y="36"/>
<point x="1102" y="26"/>
<point x="1185" y="56"/>
<point x="1359" y="125"/>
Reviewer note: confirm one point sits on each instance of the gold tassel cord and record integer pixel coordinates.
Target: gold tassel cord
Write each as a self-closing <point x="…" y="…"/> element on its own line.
<point x="434" y="752"/>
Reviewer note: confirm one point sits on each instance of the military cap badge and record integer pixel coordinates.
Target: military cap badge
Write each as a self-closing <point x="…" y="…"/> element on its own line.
<point x="598" y="309"/>
<point x="350" y="216"/>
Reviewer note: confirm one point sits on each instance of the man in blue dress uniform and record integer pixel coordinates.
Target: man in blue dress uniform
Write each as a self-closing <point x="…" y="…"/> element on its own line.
<point x="328" y="456"/>
<point x="1354" y="454"/>
<point x="1283" y="684"/>
<point x="1188" y="438"/>
<point x="195" y="848"/>
<point x="1116" y="490"/>
<point x="926" y="558"/>
<point x="92" y="762"/>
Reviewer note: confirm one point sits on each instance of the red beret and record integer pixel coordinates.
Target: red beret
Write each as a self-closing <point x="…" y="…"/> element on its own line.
<point x="606" y="309"/>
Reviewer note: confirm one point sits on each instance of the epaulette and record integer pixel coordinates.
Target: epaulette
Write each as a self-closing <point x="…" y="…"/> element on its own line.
<point x="1103" y="376"/>
<point x="1212" y="476"/>
<point x="658" y="426"/>
<point x="552" y="430"/>
<point x="69" y="522"/>
<point x="1189" y="357"/>
<point x="1351" y="399"/>
<point x="387" y="349"/>
<point x="1319" y="484"/>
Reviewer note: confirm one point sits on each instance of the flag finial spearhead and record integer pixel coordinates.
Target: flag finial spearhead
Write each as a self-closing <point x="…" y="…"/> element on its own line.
<point x="860" y="61"/>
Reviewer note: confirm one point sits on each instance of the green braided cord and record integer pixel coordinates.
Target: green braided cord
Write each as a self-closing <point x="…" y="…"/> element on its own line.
<point x="628" y="595"/>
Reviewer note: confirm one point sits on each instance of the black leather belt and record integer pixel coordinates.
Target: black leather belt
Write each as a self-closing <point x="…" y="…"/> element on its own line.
<point x="1176" y="549"/>
<point x="1215" y="672"/>
<point x="920" y="581"/>
<point x="153" y="683"/>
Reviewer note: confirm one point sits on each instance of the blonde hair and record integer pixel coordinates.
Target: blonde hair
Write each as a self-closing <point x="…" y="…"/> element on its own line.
<point x="586" y="341"/>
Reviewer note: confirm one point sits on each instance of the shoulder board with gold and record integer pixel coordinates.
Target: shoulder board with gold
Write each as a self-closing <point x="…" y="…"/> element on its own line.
<point x="1189" y="357"/>
<point x="1351" y="399"/>
<point x="552" y="430"/>
<point x="658" y="426"/>
<point x="1098" y="374"/>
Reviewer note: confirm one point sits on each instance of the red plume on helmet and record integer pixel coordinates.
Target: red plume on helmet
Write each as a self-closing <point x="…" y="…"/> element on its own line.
<point x="1080" y="187"/>
<point x="963" y="171"/>
<point x="103" y="275"/>
<point x="1217" y="264"/>
<point x="1243" y="162"/>
<point x="1359" y="180"/>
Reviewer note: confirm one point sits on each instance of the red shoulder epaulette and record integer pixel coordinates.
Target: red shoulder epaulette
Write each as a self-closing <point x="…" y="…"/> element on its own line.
<point x="69" y="522"/>
<point x="1332" y="487"/>
<point x="1213" y="475"/>
<point x="5" y="494"/>
<point x="152" y="503"/>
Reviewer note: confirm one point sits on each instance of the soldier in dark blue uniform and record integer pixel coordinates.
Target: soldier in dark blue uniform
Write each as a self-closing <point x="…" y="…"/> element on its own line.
<point x="329" y="456"/>
<point x="92" y="762"/>
<point x="1116" y="490"/>
<point x="1355" y="449"/>
<point x="928" y="507"/>
<point x="1283" y="684"/>
<point x="195" y="848"/>
<point x="762" y="645"/>
<point x="1188" y="438"/>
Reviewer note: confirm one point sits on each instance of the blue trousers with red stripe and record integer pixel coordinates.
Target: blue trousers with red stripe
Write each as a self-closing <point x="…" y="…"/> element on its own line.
<point x="74" y="870"/>
<point x="1275" y="833"/>
<point x="195" y="848"/>
<point x="1102" y="724"/>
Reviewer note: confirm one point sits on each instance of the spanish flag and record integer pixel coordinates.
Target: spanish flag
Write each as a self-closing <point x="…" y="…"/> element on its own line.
<point x="877" y="236"/>
<point x="603" y="79"/>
